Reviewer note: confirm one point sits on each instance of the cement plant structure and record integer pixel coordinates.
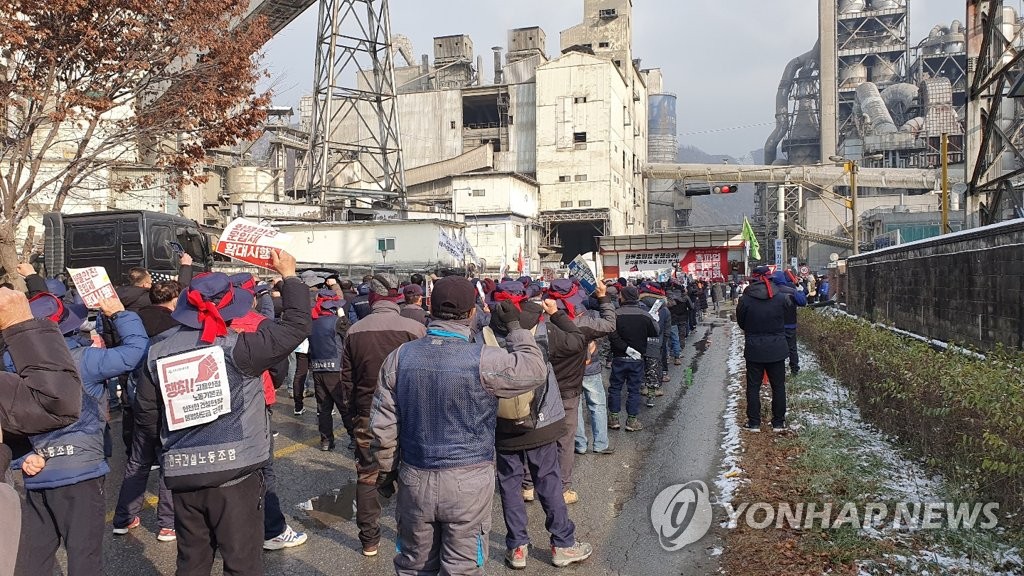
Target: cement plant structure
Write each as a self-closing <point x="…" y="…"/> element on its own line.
<point x="863" y="92"/>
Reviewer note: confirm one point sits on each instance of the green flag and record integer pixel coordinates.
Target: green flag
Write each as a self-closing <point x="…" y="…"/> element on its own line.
<point x="750" y="238"/>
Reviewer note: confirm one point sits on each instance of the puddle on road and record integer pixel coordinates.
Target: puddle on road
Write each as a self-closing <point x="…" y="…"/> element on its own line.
<point x="700" y="347"/>
<point x="327" y="509"/>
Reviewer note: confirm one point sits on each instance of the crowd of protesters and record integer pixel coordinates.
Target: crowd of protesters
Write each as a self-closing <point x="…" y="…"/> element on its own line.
<point x="444" y="387"/>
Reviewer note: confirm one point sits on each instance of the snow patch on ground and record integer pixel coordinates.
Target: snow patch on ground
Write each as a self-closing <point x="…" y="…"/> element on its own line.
<point x="730" y="475"/>
<point x="903" y="480"/>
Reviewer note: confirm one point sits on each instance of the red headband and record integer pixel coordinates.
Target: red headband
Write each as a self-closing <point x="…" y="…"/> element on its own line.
<point x="318" y="311"/>
<point x="570" y="310"/>
<point x="209" y="315"/>
<point x="516" y="299"/>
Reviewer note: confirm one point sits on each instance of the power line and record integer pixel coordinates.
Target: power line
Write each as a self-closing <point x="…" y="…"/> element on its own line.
<point x="732" y="129"/>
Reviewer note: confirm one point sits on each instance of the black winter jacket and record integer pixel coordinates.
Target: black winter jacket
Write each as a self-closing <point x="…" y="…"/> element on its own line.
<point x="761" y="315"/>
<point x="567" y="352"/>
<point x="633" y="327"/>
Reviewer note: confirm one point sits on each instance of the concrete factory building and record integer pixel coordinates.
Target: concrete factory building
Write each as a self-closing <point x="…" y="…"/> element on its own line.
<point x="568" y="134"/>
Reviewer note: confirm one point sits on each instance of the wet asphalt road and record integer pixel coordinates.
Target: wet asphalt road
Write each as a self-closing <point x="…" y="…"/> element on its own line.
<point x="680" y="442"/>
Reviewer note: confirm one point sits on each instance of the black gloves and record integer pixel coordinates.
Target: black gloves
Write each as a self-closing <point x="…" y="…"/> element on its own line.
<point x="387" y="483"/>
<point x="507" y="313"/>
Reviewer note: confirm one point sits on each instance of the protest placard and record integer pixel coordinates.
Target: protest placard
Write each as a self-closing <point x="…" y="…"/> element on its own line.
<point x="579" y="269"/>
<point x="195" y="387"/>
<point x="250" y="242"/>
<point x="92" y="284"/>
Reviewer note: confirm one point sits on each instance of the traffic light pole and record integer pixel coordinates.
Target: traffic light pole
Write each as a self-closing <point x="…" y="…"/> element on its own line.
<point x="853" y="208"/>
<point x="781" y="233"/>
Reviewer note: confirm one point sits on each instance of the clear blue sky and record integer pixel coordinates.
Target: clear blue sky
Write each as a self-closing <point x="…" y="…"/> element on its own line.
<point x="723" y="58"/>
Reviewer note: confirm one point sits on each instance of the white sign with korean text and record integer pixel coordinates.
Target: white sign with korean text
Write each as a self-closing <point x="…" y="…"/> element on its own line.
<point x="250" y="242"/>
<point x="93" y="284"/>
<point x="195" y="387"/>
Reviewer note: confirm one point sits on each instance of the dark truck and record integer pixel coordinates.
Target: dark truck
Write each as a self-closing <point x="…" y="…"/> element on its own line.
<point x="121" y="240"/>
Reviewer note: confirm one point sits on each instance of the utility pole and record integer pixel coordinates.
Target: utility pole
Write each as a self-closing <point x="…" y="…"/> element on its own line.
<point x="944" y="152"/>
<point x="855" y="229"/>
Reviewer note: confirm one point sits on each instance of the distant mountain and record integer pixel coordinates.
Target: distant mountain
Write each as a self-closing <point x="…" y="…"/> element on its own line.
<point x="694" y="155"/>
<point x="720" y="209"/>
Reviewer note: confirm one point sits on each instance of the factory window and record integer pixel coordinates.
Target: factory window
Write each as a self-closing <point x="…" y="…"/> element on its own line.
<point x="453" y="124"/>
<point x="604" y="44"/>
<point x="566" y="203"/>
<point x="478" y="193"/>
<point x="607" y="13"/>
<point x="584" y="203"/>
<point x="565" y="178"/>
<point x="519" y="231"/>
<point x="480" y="111"/>
<point x="618" y="63"/>
<point x="579" y="137"/>
<point x="385" y="244"/>
<point x="509" y="119"/>
<point x="580" y="100"/>
<point x="581" y="177"/>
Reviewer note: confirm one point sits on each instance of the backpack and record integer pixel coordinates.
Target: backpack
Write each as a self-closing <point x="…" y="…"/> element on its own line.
<point x="524" y="412"/>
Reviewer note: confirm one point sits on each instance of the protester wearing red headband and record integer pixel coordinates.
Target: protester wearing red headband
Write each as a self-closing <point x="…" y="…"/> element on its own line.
<point x="761" y="314"/>
<point x="213" y="500"/>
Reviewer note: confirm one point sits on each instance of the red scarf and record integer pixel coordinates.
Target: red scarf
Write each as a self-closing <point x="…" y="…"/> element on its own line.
<point x="209" y="315"/>
<point x="318" y="311"/>
<point x="767" y="284"/>
<point x="653" y="290"/>
<point x="516" y="299"/>
<point x="570" y="310"/>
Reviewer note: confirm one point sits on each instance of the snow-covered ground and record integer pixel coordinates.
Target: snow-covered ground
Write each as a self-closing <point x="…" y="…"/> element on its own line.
<point x="730" y="476"/>
<point x="900" y="479"/>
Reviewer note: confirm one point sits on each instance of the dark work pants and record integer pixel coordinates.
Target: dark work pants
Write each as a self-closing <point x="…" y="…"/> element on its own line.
<point x="144" y="454"/>
<point x="566" y="444"/>
<point x="299" y="383"/>
<point x="327" y="386"/>
<point x="367" y="501"/>
<point x="274" y="523"/>
<point x="627" y="373"/>
<point x="794" y="357"/>
<point x="543" y="466"/>
<point x="69" y="514"/>
<point x="229" y="518"/>
<point x="127" y="427"/>
<point x="777" y="377"/>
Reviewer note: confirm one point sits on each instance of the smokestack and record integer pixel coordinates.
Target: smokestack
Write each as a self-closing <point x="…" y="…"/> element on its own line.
<point x="498" y="76"/>
<point x="425" y="71"/>
<point x="479" y="70"/>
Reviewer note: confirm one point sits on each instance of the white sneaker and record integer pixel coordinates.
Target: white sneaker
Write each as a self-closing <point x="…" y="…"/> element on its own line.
<point x="287" y="539"/>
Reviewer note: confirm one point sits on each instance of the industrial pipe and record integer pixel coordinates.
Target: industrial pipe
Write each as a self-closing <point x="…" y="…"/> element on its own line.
<point x="823" y="176"/>
<point x="771" y="146"/>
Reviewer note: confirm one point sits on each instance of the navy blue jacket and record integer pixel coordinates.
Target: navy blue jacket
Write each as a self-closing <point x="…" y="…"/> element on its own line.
<point x="761" y="313"/>
<point x="75" y="453"/>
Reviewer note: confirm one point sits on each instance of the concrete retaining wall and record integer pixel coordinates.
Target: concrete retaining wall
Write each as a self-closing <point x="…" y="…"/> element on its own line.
<point x="965" y="288"/>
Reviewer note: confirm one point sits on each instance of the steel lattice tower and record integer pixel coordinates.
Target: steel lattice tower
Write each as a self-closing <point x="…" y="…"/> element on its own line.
<point x="354" y="93"/>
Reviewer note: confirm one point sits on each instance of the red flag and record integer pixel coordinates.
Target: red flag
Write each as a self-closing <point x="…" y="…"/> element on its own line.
<point x="519" y="261"/>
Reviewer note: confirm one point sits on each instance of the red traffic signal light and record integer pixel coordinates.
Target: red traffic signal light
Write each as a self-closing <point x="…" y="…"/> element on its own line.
<point x="725" y="189"/>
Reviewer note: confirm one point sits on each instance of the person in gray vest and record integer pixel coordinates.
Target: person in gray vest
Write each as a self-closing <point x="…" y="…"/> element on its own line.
<point x="214" y="451"/>
<point x="436" y="406"/>
<point x="64" y="474"/>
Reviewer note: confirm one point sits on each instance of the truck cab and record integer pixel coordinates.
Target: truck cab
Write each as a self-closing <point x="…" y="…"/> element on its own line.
<point x="122" y="240"/>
